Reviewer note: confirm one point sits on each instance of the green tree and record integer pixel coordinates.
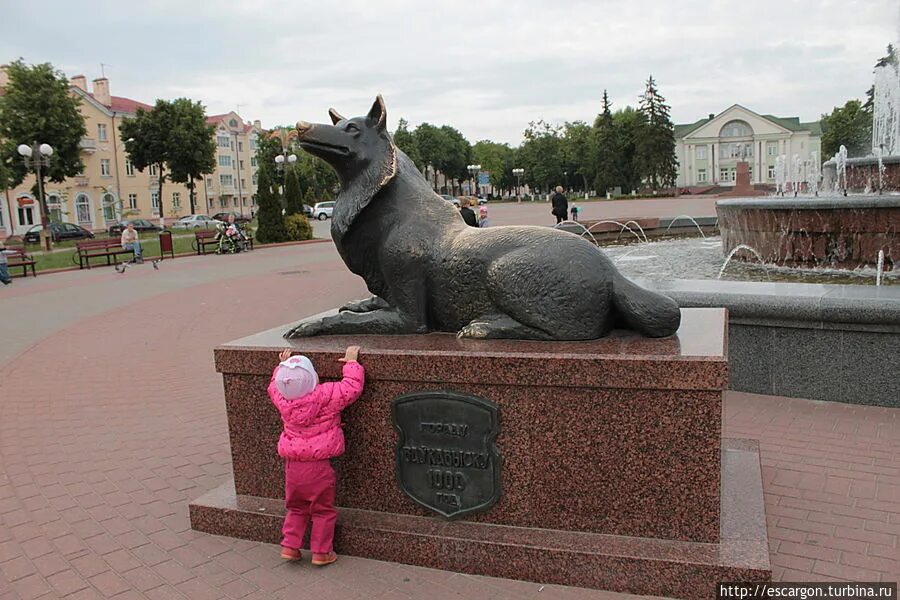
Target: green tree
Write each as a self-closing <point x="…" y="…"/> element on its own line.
<point x="430" y="142"/>
<point x="457" y="154"/>
<point x="578" y="152"/>
<point x="147" y="142"/>
<point x="496" y="159"/>
<point x="541" y="155"/>
<point x="270" y="221"/>
<point x="293" y="197"/>
<point x="849" y="125"/>
<point x="191" y="146"/>
<point x="406" y="141"/>
<point x="628" y="126"/>
<point x="37" y="107"/>
<point x="606" y="149"/>
<point x="656" y="144"/>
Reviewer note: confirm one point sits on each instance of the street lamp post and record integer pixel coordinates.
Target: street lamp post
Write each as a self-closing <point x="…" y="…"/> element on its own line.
<point x="518" y="173"/>
<point x="474" y="170"/>
<point x="566" y="175"/>
<point x="282" y="161"/>
<point x="36" y="157"/>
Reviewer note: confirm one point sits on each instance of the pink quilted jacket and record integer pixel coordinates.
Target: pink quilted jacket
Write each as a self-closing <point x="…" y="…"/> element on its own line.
<point x="312" y="423"/>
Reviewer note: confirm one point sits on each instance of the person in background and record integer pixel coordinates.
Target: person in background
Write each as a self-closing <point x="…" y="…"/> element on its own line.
<point x="467" y="213"/>
<point x="131" y="241"/>
<point x="483" y="216"/>
<point x="575" y="211"/>
<point x="560" y="205"/>
<point x="4" y="264"/>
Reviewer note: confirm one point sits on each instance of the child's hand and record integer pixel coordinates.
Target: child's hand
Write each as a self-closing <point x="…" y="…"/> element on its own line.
<point x="285" y="354"/>
<point x="351" y="354"/>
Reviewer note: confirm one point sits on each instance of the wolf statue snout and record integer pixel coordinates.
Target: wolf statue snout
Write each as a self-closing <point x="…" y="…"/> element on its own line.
<point x="429" y="271"/>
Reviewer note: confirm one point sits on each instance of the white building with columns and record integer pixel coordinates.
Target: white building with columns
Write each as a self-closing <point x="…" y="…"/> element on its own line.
<point x="709" y="149"/>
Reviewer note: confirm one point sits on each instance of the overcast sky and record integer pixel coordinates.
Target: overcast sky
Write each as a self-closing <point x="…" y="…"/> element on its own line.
<point x="486" y="67"/>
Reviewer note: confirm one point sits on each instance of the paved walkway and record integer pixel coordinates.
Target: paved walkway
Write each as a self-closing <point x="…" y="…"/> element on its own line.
<point x="112" y="420"/>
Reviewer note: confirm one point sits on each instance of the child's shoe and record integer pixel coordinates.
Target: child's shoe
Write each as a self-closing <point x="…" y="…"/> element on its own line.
<point x="320" y="560"/>
<point x="291" y="554"/>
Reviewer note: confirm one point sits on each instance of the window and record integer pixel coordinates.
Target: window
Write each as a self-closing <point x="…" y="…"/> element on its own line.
<point x="176" y="199"/>
<point x="736" y="150"/>
<point x="255" y="179"/>
<point x="154" y="170"/>
<point x="772" y="149"/>
<point x="223" y="141"/>
<point x="132" y="201"/>
<point x="253" y="161"/>
<point x="1" y="216"/>
<point x="224" y="160"/>
<point x="243" y="183"/>
<point x="236" y="201"/>
<point x="101" y="132"/>
<point x="771" y="172"/>
<point x="109" y="207"/>
<point x="129" y="168"/>
<point x="104" y="167"/>
<point x="223" y="203"/>
<point x="723" y="174"/>
<point x="26" y="215"/>
<point x="254" y="200"/>
<point x="736" y="129"/>
<point x="241" y="167"/>
<point x="253" y="143"/>
<point x="240" y="146"/>
<point x="83" y="208"/>
<point x="700" y="152"/>
<point x="54" y="207"/>
<point x="226" y="180"/>
<point x="701" y="175"/>
<point x="209" y="182"/>
<point x="154" y="202"/>
<point x="233" y="123"/>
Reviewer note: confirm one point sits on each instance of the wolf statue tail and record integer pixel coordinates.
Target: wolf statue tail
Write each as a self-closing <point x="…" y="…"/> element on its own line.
<point x="646" y="312"/>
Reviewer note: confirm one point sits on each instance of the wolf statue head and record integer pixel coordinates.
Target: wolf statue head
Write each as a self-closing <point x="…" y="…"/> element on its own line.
<point x="362" y="153"/>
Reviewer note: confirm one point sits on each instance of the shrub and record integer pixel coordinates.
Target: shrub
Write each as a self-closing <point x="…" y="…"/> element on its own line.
<point x="297" y="228"/>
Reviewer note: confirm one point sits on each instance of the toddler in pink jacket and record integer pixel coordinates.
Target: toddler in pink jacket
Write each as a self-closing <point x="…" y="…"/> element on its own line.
<point x="311" y="414"/>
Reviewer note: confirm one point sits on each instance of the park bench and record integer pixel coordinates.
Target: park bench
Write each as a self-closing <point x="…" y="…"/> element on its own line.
<point x="204" y="238"/>
<point x="17" y="257"/>
<point x="89" y="249"/>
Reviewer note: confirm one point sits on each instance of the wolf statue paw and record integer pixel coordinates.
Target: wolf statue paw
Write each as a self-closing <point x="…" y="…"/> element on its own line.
<point x="475" y="329"/>
<point x="305" y="329"/>
<point x="364" y="305"/>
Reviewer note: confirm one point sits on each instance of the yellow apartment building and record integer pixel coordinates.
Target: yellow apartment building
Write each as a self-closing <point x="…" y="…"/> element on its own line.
<point x="110" y="188"/>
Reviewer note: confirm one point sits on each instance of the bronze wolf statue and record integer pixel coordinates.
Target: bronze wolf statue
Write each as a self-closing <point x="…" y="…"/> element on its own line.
<point x="429" y="271"/>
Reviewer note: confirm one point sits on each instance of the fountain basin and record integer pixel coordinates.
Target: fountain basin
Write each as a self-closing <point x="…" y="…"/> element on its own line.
<point x="836" y="232"/>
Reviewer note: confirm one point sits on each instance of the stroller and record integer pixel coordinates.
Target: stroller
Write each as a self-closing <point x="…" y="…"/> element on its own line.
<point x="231" y="239"/>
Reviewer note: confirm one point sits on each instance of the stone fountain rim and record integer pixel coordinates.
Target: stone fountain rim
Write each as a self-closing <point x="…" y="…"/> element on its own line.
<point x="813" y="203"/>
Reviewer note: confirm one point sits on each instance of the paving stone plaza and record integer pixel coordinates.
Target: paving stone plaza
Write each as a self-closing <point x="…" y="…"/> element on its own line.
<point x="112" y="421"/>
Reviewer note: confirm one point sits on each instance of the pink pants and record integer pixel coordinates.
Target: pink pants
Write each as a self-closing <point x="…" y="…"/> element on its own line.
<point x="309" y="489"/>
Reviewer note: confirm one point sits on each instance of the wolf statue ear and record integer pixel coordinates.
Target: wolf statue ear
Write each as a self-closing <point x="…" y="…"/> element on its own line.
<point x="377" y="116"/>
<point x="335" y="116"/>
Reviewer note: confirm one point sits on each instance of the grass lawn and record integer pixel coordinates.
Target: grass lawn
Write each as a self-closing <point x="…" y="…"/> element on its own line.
<point x="64" y="253"/>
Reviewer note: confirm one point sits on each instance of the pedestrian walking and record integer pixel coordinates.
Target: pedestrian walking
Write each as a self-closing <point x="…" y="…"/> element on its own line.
<point x="560" y="205"/>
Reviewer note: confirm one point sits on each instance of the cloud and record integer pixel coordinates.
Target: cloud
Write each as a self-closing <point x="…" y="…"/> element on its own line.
<point x="487" y="67"/>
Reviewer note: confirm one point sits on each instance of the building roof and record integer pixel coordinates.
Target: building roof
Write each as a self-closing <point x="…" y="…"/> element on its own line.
<point x="789" y="123"/>
<point x="127" y="105"/>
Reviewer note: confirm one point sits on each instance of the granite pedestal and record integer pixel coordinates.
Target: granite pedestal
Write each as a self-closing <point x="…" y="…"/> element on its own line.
<point x="614" y="476"/>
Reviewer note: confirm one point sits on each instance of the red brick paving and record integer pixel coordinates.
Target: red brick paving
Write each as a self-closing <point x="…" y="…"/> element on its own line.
<point x="110" y="426"/>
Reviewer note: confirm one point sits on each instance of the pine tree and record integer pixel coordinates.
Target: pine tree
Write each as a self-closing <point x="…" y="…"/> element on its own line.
<point x="293" y="198"/>
<point x="606" y="149"/>
<point x="271" y="223"/>
<point x="655" y="152"/>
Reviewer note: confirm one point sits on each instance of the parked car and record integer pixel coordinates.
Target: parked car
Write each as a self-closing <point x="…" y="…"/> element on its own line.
<point x="453" y="199"/>
<point x="194" y="222"/>
<point x="323" y="210"/>
<point x="240" y="219"/>
<point x="140" y="225"/>
<point x="58" y="232"/>
<point x="308" y="211"/>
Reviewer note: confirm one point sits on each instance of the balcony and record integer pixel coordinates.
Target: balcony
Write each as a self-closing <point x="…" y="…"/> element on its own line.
<point x="88" y="145"/>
